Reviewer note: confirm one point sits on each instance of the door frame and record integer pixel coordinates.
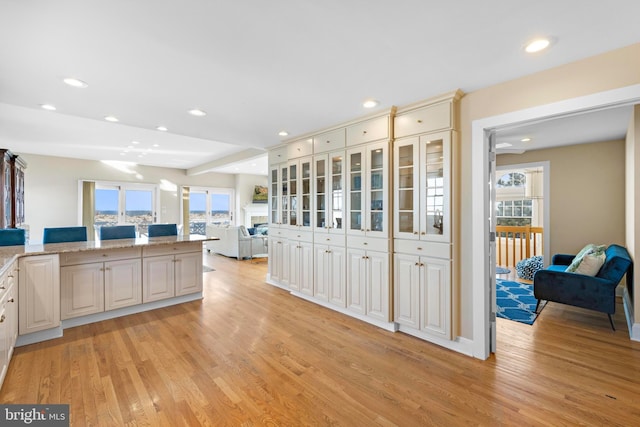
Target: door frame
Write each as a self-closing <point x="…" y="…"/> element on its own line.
<point x="480" y="192"/>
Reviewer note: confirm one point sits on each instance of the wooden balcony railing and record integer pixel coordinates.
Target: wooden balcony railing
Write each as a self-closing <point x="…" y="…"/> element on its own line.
<point x="514" y="243"/>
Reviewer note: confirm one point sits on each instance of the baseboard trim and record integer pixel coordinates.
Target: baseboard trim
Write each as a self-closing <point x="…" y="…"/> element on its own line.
<point x="39" y="336"/>
<point x="634" y="328"/>
<point x="459" y="345"/>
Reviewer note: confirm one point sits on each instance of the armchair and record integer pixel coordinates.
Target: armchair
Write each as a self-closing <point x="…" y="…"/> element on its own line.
<point x="579" y="290"/>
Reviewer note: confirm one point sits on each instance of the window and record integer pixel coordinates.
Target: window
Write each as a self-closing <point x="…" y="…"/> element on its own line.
<point x="125" y="204"/>
<point x="209" y="206"/>
<point x="512" y="179"/>
<point x="514" y="212"/>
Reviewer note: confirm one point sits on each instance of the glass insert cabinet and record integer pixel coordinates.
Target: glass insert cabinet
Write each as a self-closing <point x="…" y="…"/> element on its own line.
<point x="422" y="177"/>
<point x="367" y="169"/>
<point x="329" y="192"/>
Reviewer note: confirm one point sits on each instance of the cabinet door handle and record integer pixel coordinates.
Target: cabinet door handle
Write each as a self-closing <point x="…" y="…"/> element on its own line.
<point x="419" y="121"/>
<point x="415" y="232"/>
<point x="10" y="275"/>
<point x="423" y="233"/>
<point x="417" y="264"/>
<point x="419" y="249"/>
<point x="101" y="269"/>
<point x="2" y="286"/>
<point x="2" y="319"/>
<point x="12" y="300"/>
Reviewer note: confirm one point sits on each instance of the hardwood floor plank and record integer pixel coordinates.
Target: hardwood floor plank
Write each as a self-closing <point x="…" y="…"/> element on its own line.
<point x="250" y="354"/>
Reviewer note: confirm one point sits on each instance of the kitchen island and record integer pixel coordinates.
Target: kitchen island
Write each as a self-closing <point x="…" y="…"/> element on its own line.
<point x="62" y="285"/>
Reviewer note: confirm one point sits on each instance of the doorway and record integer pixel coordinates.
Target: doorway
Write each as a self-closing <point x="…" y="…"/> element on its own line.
<point x="482" y="201"/>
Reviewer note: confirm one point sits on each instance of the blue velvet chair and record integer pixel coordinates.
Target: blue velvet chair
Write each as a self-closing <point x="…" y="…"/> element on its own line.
<point x="11" y="237"/>
<point x="64" y="234"/>
<point x="594" y="293"/>
<point x="157" y="230"/>
<point x="117" y="232"/>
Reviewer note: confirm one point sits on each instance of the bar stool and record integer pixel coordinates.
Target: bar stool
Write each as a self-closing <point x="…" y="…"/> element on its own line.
<point x="11" y="237"/>
<point x="117" y="232"/>
<point x="156" y="230"/>
<point x="64" y="234"/>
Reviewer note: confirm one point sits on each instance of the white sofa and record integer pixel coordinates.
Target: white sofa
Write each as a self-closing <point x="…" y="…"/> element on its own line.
<point x="235" y="242"/>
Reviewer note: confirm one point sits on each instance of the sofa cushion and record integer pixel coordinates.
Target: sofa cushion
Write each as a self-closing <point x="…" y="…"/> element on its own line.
<point x="588" y="249"/>
<point x="591" y="264"/>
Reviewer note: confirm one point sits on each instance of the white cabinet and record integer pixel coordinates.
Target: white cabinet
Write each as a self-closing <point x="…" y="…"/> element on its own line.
<point x="301" y="264"/>
<point x="368" y="290"/>
<point x="298" y="207"/>
<point x="328" y="193"/>
<point x="8" y="319"/>
<point x="367" y="190"/>
<point x="81" y="290"/>
<point x="39" y="293"/>
<point x="423" y="294"/>
<point x="171" y="270"/>
<point x="330" y="274"/>
<point x="422" y="176"/>
<point x="278" y="194"/>
<point x="279" y="257"/>
<point x="101" y="280"/>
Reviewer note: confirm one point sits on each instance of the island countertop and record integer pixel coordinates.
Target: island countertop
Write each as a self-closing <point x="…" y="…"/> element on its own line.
<point x="10" y="253"/>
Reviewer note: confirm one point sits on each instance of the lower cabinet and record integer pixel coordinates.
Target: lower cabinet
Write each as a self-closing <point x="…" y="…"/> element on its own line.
<point x="330" y="274"/>
<point x="171" y="270"/>
<point x="301" y="266"/>
<point x="368" y="283"/>
<point x="101" y="280"/>
<point x="95" y="287"/>
<point x="39" y="293"/>
<point x="423" y="294"/>
<point x="8" y="319"/>
<point x="279" y="252"/>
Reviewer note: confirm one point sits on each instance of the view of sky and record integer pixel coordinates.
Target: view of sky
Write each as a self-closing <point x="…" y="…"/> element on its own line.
<point x="142" y="200"/>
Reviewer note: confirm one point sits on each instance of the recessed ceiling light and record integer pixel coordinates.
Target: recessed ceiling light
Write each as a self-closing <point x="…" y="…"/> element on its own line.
<point x="156" y="145"/>
<point x="370" y="103"/>
<point x="197" y="112"/>
<point x="283" y="133"/>
<point x="525" y="140"/>
<point x="75" y="82"/>
<point x="135" y="142"/>
<point x="537" y="45"/>
<point x="162" y="128"/>
<point x="129" y="147"/>
<point x="112" y="119"/>
<point x="48" y="107"/>
<point x="503" y="145"/>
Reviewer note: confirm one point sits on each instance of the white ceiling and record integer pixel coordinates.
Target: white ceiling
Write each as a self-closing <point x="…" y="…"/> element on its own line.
<point x="258" y="67"/>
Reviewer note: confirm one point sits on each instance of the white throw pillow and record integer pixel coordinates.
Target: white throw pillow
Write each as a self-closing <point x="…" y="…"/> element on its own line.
<point x="591" y="264"/>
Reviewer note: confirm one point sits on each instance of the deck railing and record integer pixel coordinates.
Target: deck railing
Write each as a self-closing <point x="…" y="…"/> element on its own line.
<point x="514" y="243"/>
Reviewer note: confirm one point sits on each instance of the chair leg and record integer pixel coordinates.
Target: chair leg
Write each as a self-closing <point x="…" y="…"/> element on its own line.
<point x="537" y="305"/>
<point x="611" y="321"/>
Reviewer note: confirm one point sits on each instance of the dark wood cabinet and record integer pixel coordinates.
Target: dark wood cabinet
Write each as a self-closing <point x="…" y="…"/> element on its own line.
<point x="12" y="186"/>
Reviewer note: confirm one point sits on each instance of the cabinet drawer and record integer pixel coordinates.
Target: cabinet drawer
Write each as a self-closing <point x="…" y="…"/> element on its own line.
<point x="85" y="257"/>
<point x="423" y="120"/>
<point x="175" y="248"/>
<point x="330" y="240"/>
<point x="300" y="236"/>
<point x="278" y="232"/>
<point x="369" y="244"/>
<point x="277" y="155"/>
<point x="329" y="141"/>
<point x="416" y="247"/>
<point x="300" y="148"/>
<point x="368" y="130"/>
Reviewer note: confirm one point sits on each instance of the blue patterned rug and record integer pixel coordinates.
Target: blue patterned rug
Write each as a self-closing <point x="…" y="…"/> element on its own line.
<point x="515" y="301"/>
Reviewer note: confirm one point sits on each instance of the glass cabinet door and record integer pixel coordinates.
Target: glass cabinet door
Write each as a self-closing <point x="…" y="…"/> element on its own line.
<point x="305" y="193"/>
<point x="376" y="190"/>
<point x="406" y="198"/>
<point x="321" y="184"/>
<point x="293" y="194"/>
<point x="355" y="192"/>
<point x="337" y="193"/>
<point x="435" y="159"/>
<point x="274" y="189"/>
<point x="284" y="194"/>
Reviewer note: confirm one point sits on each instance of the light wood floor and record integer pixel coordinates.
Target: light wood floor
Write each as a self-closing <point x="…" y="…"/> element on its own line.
<point x="249" y="354"/>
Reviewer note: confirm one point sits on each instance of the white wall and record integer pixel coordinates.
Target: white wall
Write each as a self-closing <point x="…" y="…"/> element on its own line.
<point x="51" y="188"/>
<point x="244" y="187"/>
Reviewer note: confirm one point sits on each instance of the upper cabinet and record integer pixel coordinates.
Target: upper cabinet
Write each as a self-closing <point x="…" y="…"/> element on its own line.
<point x="298" y="189"/>
<point x="367" y="190"/>
<point x="329" y="192"/>
<point x="422" y="176"/>
<point x="12" y="186"/>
